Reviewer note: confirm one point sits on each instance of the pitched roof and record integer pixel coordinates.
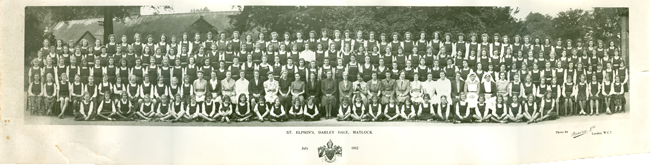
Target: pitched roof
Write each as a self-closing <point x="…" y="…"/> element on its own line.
<point x="169" y="24"/>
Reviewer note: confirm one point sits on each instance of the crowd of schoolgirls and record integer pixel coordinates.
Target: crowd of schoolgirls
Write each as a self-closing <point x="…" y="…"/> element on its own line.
<point x="371" y="77"/>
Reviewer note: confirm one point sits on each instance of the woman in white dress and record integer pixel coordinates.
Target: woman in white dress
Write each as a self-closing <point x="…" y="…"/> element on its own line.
<point x="429" y="87"/>
<point x="416" y="90"/>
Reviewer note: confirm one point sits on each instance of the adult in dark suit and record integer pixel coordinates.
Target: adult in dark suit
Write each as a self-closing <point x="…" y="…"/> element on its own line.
<point x="457" y="87"/>
<point x="256" y="86"/>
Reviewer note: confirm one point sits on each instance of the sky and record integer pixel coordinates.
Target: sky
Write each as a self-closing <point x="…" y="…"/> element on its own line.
<point x="524" y="7"/>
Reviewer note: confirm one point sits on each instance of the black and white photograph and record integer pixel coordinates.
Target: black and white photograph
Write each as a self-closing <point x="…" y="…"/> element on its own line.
<point x="324" y="65"/>
<point x="176" y="82"/>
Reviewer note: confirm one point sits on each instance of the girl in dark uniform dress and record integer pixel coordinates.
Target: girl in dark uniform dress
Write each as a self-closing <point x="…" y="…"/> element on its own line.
<point x="421" y="44"/>
<point x="448" y="44"/>
<point x="465" y="71"/>
<point x="331" y="55"/>
<point x="381" y="70"/>
<point x="570" y="71"/>
<point x="111" y="46"/>
<point x="607" y="93"/>
<point x="622" y="72"/>
<point x="541" y="61"/>
<point x="257" y="54"/>
<point x="274" y="41"/>
<point x="609" y="72"/>
<point x="426" y="110"/>
<point x="435" y="43"/>
<point x="558" y="48"/>
<point x="594" y="90"/>
<point x="302" y="70"/>
<point x="277" y="70"/>
<point x="472" y="60"/>
<point x="149" y="45"/>
<point x="35" y="95"/>
<point x="391" y="111"/>
<point x="451" y="69"/>
<point x="248" y="67"/>
<point x="395" y="44"/>
<point x="422" y="70"/>
<point x="277" y="112"/>
<point x="408" y="112"/>
<point x="152" y="71"/>
<point x="261" y="110"/>
<point x="570" y="96"/>
<point x="388" y="57"/>
<point x="374" y="109"/>
<point x="164" y="110"/>
<point x="360" y="55"/>
<point x="383" y="44"/>
<point x="294" y="54"/>
<point x="242" y="109"/>
<point x="319" y="55"/>
<point x="408" y="44"/>
<point x="500" y="113"/>
<point x="264" y="68"/>
<point x="617" y="61"/>
<point x="531" y="112"/>
<point x="270" y="55"/>
<point x="124" y="108"/>
<point x="96" y="72"/>
<point x="496" y="45"/>
<point x="137" y="45"/>
<point x="548" y="108"/>
<point x="311" y="110"/>
<point x="236" y="43"/>
<point x="209" y="41"/>
<point x="547" y="48"/>
<point x="560" y="73"/>
<point x="527" y="47"/>
<point x="462" y="112"/>
<point x="206" y="68"/>
<point x="210" y="106"/>
<point x="618" y="93"/>
<point x="146" y="57"/>
<point x="401" y="59"/>
<point x="299" y="42"/>
<point x="312" y="41"/>
<point x="517" y="46"/>
<point x="358" y="109"/>
<point x="611" y="49"/>
<point x="460" y="45"/>
<point x="59" y="46"/>
<point x="249" y="44"/>
<point x="324" y="40"/>
<point x="106" y="109"/>
<point x="132" y="89"/>
<point x="337" y="41"/>
<point x="50" y="93"/>
<point x="394" y="73"/>
<point x="345" y="54"/>
<point x="352" y="68"/>
<point x="514" y="109"/>
<point x="178" y="109"/>
<point x="482" y="113"/>
<point x="76" y="93"/>
<point x="443" y="110"/>
<point x="86" y="109"/>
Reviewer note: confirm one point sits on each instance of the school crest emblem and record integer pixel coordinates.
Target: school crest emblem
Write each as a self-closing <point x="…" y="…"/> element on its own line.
<point x="330" y="152"/>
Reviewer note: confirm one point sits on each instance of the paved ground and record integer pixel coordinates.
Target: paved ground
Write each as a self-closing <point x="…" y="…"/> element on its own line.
<point x="48" y="120"/>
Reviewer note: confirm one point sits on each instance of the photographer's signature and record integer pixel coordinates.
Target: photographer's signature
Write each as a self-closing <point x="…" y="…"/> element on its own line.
<point x="583" y="132"/>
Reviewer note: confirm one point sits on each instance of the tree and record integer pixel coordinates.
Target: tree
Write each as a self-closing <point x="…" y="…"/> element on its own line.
<point x="538" y="25"/>
<point x="200" y="10"/>
<point x="379" y="19"/>
<point x="570" y="24"/>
